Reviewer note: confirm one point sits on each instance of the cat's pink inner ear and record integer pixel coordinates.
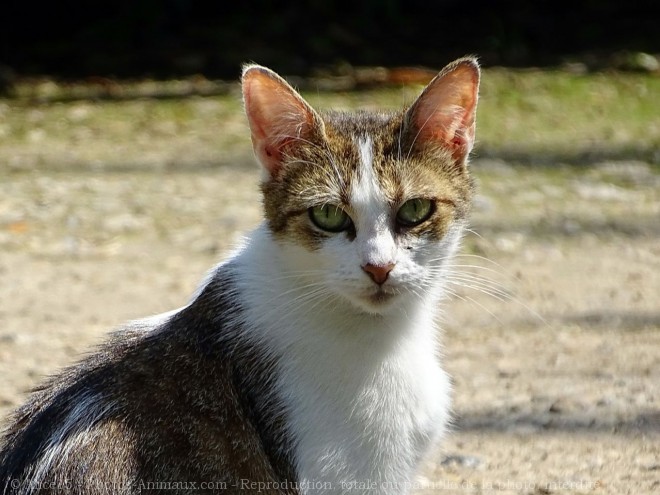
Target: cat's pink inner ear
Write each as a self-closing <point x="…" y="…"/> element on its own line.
<point x="277" y="115"/>
<point x="445" y="112"/>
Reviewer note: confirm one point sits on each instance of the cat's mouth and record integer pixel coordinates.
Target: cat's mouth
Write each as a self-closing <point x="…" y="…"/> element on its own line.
<point x="379" y="297"/>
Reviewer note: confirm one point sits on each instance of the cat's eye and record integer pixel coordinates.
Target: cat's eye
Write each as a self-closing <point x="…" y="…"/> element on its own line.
<point x="414" y="211"/>
<point x="330" y="218"/>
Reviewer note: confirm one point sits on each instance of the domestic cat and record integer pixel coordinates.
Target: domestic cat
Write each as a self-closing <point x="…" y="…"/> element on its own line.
<point x="308" y="361"/>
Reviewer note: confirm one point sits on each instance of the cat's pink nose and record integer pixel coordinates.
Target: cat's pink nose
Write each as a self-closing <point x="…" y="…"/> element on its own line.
<point x="378" y="273"/>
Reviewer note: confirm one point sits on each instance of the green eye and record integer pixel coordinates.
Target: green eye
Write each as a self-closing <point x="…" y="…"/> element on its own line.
<point x="414" y="212"/>
<point x="330" y="217"/>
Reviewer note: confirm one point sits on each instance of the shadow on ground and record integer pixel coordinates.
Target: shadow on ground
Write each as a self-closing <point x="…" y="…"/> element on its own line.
<point x="584" y="157"/>
<point x="502" y="420"/>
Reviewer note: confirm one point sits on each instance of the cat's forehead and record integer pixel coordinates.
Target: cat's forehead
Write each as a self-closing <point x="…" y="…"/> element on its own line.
<point x="347" y="129"/>
<point x="375" y="145"/>
<point x="361" y="121"/>
<point x="325" y="170"/>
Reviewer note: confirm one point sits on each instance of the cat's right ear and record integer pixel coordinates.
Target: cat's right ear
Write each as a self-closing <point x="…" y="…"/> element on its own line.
<point x="278" y="116"/>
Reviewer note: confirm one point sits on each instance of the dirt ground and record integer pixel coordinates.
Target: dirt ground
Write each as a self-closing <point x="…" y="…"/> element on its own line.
<point x="555" y="361"/>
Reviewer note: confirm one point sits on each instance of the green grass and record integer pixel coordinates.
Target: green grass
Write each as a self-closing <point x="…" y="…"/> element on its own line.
<point x="524" y="116"/>
<point x="559" y="113"/>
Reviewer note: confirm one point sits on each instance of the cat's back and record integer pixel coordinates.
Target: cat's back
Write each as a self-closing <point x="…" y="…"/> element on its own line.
<point x="166" y="400"/>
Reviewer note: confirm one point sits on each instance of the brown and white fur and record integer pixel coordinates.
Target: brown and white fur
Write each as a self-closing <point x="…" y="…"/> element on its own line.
<point x="308" y="361"/>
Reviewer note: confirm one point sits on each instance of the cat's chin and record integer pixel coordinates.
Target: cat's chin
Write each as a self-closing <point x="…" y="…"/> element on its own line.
<point x="377" y="302"/>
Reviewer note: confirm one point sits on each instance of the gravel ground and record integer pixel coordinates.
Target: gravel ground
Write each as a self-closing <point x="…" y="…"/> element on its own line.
<point x="555" y="361"/>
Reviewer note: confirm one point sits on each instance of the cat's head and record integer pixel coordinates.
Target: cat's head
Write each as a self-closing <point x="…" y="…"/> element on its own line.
<point x="369" y="206"/>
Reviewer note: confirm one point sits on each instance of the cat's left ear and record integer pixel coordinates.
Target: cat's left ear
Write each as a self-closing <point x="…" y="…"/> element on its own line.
<point x="445" y="113"/>
<point x="278" y="116"/>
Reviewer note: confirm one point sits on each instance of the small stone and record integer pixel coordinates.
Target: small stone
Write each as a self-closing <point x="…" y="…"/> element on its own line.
<point x="464" y="461"/>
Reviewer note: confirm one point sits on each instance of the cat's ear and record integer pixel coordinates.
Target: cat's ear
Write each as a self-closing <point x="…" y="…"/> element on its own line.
<point x="278" y="116"/>
<point x="444" y="114"/>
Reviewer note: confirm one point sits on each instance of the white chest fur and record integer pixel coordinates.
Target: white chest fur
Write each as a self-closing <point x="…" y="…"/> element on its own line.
<point x="364" y="394"/>
<point x="364" y="414"/>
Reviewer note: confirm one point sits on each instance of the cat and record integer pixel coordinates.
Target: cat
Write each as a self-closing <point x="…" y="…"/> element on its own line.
<point x="308" y="361"/>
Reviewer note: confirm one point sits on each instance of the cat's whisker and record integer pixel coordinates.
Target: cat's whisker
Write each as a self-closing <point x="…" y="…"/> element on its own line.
<point x="500" y="296"/>
<point x="417" y="292"/>
<point x="477" y="267"/>
<point x="458" y="272"/>
<point x="471" y="300"/>
<point x="450" y="268"/>
<point x="475" y="277"/>
<point x="483" y="290"/>
<point x="479" y="257"/>
<point x="474" y="232"/>
<point x="296" y="302"/>
<point x="312" y="303"/>
<point x="301" y="274"/>
<point x="307" y="289"/>
<point x="452" y="274"/>
<point x="491" y="288"/>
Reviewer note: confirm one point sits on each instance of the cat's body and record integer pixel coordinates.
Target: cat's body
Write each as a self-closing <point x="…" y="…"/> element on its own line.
<point x="307" y="363"/>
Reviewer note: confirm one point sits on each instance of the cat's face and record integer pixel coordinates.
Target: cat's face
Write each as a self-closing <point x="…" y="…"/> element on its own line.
<point x="368" y="207"/>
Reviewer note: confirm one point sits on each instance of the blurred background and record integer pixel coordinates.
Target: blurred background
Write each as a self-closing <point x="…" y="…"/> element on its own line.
<point x="173" y="38"/>
<point x="126" y="171"/>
